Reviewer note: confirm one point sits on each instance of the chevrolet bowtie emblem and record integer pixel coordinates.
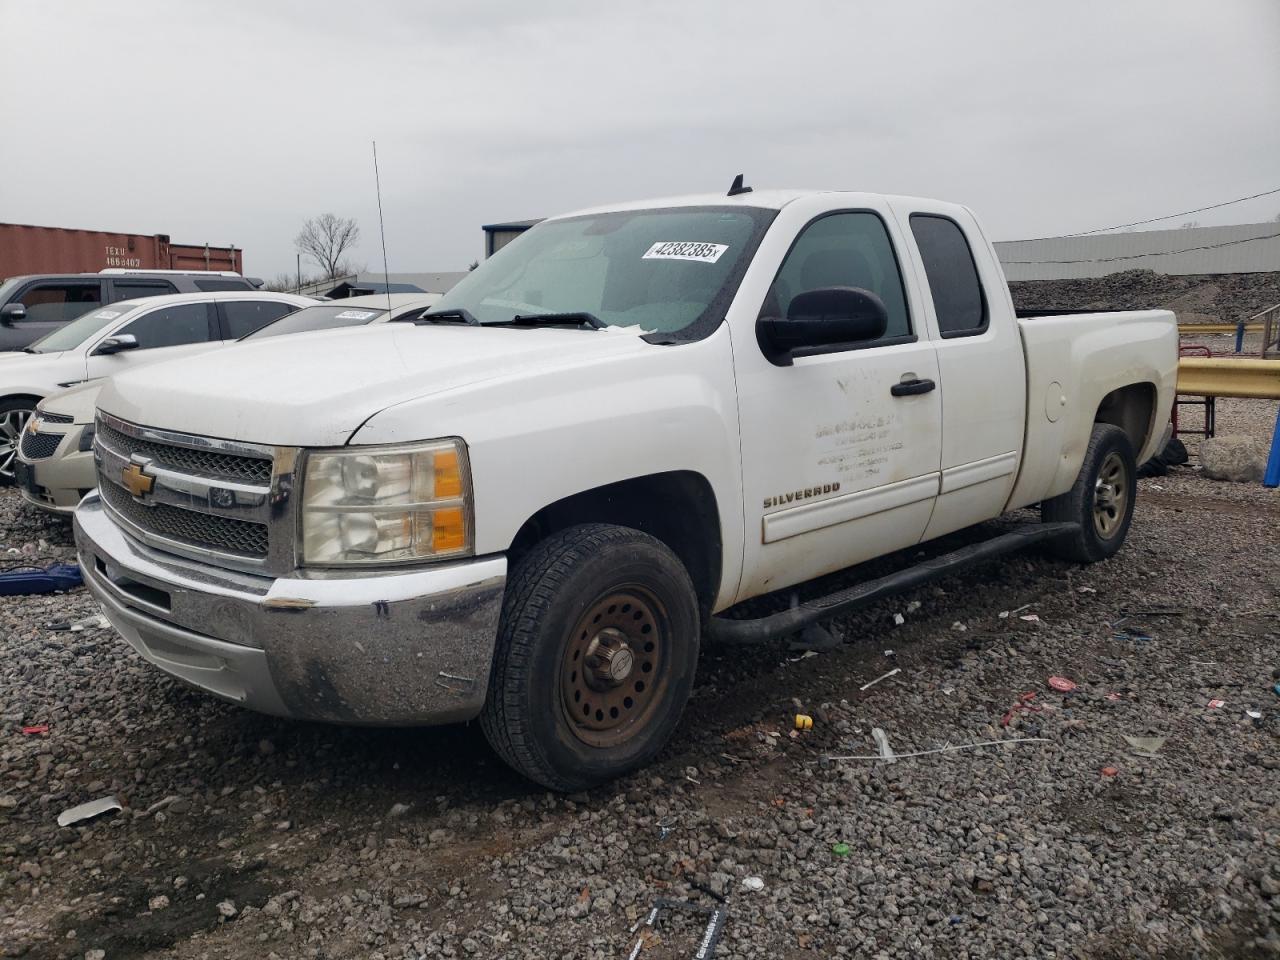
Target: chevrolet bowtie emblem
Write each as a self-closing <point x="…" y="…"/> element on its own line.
<point x="136" y="481"/>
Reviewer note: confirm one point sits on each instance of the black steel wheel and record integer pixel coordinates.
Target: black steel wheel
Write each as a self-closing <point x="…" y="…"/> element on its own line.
<point x="595" y="659"/>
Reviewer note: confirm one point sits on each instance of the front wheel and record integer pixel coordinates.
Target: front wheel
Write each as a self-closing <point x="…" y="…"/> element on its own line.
<point x="595" y="660"/>
<point x="1101" y="501"/>
<point x="14" y="414"/>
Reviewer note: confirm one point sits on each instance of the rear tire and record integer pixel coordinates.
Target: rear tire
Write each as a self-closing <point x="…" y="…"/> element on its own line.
<point x="1101" y="501"/>
<point x="14" y="414"/>
<point x="595" y="659"/>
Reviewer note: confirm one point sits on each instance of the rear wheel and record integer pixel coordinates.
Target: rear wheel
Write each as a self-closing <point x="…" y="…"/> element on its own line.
<point x="14" y="414"/>
<point x="595" y="659"/>
<point x="1101" y="501"/>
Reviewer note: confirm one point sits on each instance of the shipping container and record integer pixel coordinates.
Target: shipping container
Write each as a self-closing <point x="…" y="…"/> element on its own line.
<point x="28" y="249"/>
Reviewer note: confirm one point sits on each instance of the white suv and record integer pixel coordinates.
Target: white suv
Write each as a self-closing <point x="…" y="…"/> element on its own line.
<point x="108" y="340"/>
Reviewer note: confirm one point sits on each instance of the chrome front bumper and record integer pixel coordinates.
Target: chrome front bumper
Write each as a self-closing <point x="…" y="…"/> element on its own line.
<point x="404" y="648"/>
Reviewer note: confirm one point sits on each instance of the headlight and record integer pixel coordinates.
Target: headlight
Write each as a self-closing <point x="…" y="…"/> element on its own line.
<point x="386" y="504"/>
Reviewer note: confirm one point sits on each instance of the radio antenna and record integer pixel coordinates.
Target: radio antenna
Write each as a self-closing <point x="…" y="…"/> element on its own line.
<point x="382" y="230"/>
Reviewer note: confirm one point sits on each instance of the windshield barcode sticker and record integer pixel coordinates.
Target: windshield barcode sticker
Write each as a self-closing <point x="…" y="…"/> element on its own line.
<point x="685" y="250"/>
<point x="355" y="314"/>
<point x="106" y="314"/>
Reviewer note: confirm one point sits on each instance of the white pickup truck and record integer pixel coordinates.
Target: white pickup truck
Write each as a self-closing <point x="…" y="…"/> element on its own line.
<point x="530" y="504"/>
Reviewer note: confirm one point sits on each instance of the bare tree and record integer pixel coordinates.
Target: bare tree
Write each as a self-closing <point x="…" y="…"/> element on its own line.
<point x="1190" y="225"/>
<point x="325" y="239"/>
<point x="282" y="283"/>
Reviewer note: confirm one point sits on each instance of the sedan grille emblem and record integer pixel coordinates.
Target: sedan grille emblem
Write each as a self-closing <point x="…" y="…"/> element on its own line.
<point x="136" y="480"/>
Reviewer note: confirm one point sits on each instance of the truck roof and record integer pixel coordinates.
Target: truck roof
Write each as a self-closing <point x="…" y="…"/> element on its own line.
<point x="768" y="199"/>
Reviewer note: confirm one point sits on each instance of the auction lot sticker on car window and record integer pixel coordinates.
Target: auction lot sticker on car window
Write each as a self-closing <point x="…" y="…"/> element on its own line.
<point x="685" y="250"/>
<point x="106" y="314"/>
<point x="355" y="314"/>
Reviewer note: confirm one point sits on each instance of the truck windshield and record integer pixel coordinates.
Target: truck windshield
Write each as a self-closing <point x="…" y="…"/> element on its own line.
<point x="324" y="317"/>
<point x="71" y="335"/>
<point x="660" y="271"/>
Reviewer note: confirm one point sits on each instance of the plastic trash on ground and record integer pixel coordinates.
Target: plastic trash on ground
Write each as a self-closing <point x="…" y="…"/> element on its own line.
<point x="87" y="811"/>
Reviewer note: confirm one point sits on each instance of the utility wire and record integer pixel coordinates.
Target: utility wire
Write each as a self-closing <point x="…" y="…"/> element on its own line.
<point x="1156" y="253"/>
<point x="1139" y="223"/>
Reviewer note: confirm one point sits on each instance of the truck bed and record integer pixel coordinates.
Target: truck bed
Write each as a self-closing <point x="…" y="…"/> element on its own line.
<point x="1075" y="361"/>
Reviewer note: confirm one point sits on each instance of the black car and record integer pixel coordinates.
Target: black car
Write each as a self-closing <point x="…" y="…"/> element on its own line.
<point x="38" y="304"/>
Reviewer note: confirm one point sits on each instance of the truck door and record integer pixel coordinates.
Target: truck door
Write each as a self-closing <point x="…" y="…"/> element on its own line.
<point x="980" y="360"/>
<point x="840" y="449"/>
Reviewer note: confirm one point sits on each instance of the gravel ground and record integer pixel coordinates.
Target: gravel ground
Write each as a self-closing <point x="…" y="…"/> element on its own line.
<point x="1202" y="298"/>
<point x="250" y="837"/>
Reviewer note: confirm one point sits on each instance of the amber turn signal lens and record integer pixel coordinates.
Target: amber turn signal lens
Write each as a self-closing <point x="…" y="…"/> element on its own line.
<point x="448" y="477"/>
<point x="448" y="530"/>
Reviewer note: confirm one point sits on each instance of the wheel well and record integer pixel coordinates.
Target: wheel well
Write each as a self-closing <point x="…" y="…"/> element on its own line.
<point x="678" y="508"/>
<point x="22" y="396"/>
<point x="1131" y="409"/>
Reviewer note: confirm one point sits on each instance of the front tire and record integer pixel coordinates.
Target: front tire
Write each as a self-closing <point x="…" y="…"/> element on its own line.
<point x="596" y="654"/>
<point x="14" y="414"/>
<point x="1101" y="501"/>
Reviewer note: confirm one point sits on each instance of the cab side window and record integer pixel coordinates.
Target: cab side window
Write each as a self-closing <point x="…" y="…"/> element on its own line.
<point x="171" y="326"/>
<point x="844" y="250"/>
<point x="953" y="276"/>
<point x="61" y="301"/>
<point x="245" y="316"/>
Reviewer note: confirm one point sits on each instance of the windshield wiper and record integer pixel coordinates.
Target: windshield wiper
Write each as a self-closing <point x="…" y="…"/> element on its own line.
<point x="579" y="317"/>
<point x="29" y="350"/>
<point x="452" y="315"/>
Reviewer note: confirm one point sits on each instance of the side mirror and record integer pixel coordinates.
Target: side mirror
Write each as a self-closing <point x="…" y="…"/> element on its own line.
<point x="123" y="341"/>
<point x="12" y="312"/>
<point x="821" y="318"/>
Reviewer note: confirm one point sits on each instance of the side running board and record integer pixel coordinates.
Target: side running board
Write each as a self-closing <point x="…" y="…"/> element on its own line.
<point x="791" y="621"/>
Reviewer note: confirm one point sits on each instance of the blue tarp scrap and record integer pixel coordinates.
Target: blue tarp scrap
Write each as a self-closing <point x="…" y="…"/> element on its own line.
<point x="25" y="580"/>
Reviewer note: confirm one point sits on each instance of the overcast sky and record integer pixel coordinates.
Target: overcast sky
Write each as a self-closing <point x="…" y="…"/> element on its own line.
<point x="234" y="121"/>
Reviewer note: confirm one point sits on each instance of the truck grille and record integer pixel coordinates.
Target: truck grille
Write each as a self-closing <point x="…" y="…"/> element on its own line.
<point x="192" y="495"/>
<point x="38" y="446"/>
<point x="205" y="463"/>
<point x="224" y="534"/>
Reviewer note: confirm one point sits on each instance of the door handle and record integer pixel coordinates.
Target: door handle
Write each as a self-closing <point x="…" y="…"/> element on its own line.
<point x="910" y="388"/>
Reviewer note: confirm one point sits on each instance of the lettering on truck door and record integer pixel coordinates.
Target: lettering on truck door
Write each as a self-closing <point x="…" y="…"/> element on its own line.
<point x="836" y="468"/>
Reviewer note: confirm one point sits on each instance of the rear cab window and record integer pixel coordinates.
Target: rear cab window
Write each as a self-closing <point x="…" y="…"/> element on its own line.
<point x="958" y="298"/>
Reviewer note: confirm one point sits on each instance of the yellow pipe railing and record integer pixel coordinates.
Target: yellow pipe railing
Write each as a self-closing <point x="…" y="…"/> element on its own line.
<point x="1229" y="377"/>
<point x="1187" y="329"/>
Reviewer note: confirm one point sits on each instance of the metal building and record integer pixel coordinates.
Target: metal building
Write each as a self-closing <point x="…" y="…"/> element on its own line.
<point x="1240" y="248"/>
<point x="498" y="235"/>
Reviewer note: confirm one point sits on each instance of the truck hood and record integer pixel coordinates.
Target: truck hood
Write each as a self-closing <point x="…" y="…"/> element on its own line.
<point x="315" y="389"/>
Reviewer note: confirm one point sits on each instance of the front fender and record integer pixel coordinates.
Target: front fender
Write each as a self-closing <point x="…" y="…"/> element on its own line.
<point x="536" y="438"/>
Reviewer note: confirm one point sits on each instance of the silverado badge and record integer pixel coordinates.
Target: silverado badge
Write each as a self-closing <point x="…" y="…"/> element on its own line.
<point x="136" y="480"/>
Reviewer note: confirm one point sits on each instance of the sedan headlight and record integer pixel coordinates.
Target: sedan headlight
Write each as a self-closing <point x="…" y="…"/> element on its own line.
<point x="386" y="504"/>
